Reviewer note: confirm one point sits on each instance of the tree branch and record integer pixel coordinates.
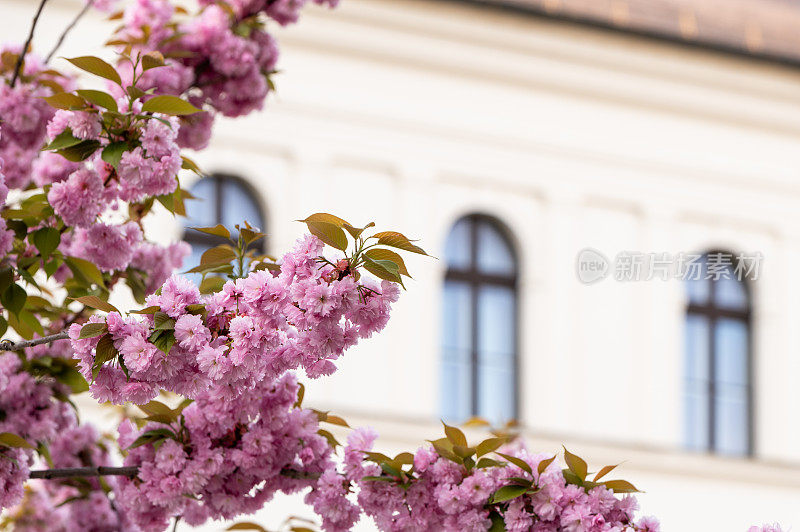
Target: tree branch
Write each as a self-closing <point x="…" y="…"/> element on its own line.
<point x="9" y="345"/>
<point x="72" y="24"/>
<point x="24" y="50"/>
<point x="131" y="472"/>
<point x="73" y="472"/>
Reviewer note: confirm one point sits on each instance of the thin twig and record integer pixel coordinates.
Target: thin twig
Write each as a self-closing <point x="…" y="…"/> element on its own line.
<point x="9" y="345"/>
<point x="74" y="472"/>
<point x="24" y="51"/>
<point x="72" y="24"/>
<point x="132" y="471"/>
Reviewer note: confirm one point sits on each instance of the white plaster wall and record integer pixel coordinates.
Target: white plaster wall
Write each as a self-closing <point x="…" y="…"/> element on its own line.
<point x="412" y="113"/>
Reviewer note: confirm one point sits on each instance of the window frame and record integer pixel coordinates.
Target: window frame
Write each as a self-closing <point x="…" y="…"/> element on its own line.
<point x="198" y="238"/>
<point x="713" y="313"/>
<point x="475" y="279"/>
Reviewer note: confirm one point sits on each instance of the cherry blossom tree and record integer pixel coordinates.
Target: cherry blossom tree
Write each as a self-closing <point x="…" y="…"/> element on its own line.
<point x="205" y="375"/>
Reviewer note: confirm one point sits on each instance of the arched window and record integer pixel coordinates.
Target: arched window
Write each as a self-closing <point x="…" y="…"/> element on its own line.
<point x="221" y="199"/>
<point x="479" y="352"/>
<point x="717" y="401"/>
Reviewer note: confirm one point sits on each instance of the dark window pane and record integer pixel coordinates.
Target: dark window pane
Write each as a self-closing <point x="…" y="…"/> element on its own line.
<point x="496" y="345"/>
<point x="458" y="248"/>
<point x="731" y="416"/>
<point x="696" y="361"/>
<point x="696" y="415"/>
<point x="730" y="293"/>
<point x="457" y="318"/>
<point x="202" y="212"/>
<point x="731" y="344"/>
<point x="456" y="392"/>
<point x="494" y="254"/>
<point x="238" y="206"/>
<point x="696" y="365"/>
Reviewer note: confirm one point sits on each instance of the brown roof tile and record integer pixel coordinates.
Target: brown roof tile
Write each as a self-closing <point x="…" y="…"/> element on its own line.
<point x="765" y="28"/>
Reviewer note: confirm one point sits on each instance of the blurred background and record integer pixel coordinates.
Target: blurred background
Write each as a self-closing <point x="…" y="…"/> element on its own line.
<point x="509" y="136"/>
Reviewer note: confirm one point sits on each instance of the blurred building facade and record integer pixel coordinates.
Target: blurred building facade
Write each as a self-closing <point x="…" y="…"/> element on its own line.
<point x="508" y="138"/>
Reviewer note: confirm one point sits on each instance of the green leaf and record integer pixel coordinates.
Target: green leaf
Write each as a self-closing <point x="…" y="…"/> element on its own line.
<point x="152" y="60"/>
<point x="490" y="445"/>
<point x="506" y="493"/>
<point x="164" y="340"/>
<point x="13" y="298"/>
<point x="329" y="233"/>
<point x="3" y="326"/>
<point x="112" y="154"/>
<point x="604" y="471"/>
<point x="326" y="218"/>
<point x="488" y="462"/>
<point x="99" y="98"/>
<point x="247" y="526"/>
<point x="519" y="462"/>
<point x="169" y="105"/>
<point x="576" y="464"/>
<point x="211" y="284"/>
<point x="397" y="240"/>
<point x="134" y="92"/>
<point x="31" y="321"/>
<point x="21" y="326"/>
<point x="96" y="66"/>
<point x="217" y="230"/>
<point x="90" y="330"/>
<point x="221" y="254"/>
<point x="46" y="240"/>
<point x="455" y="435"/>
<point x="65" y="139"/>
<point x="544" y="464"/>
<point x="149" y="310"/>
<point x="189" y="164"/>
<point x="355" y="232"/>
<point x="96" y="302"/>
<point x="6" y="278"/>
<point x="383" y="269"/>
<point x="85" y="271"/>
<point x="162" y="322"/>
<point x="498" y="523"/>
<point x="155" y="408"/>
<point x="79" y="152"/>
<point x="444" y="448"/>
<point x="73" y="378"/>
<point x="152" y="436"/>
<point x="105" y="352"/>
<point x="66" y="101"/>
<point x="12" y="440"/>
<point x="378" y="254"/>
<point x="620" y="486"/>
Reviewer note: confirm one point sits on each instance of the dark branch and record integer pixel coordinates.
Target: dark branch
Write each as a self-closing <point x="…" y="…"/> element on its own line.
<point x="21" y="58"/>
<point x="73" y="472"/>
<point x="8" y="345"/>
<point x="131" y="472"/>
<point x="64" y="33"/>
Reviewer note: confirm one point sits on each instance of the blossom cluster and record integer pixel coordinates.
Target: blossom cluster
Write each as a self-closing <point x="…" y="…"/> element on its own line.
<point x="148" y="169"/>
<point x="256" y="328"/>
<point x="442" y="494"/>
<point x="221" y="59"/>
<point x="24" y="114"/>
<point x="64" y="505"/>
<point x="28" y="411"/>
<point x="224" y="458"/>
